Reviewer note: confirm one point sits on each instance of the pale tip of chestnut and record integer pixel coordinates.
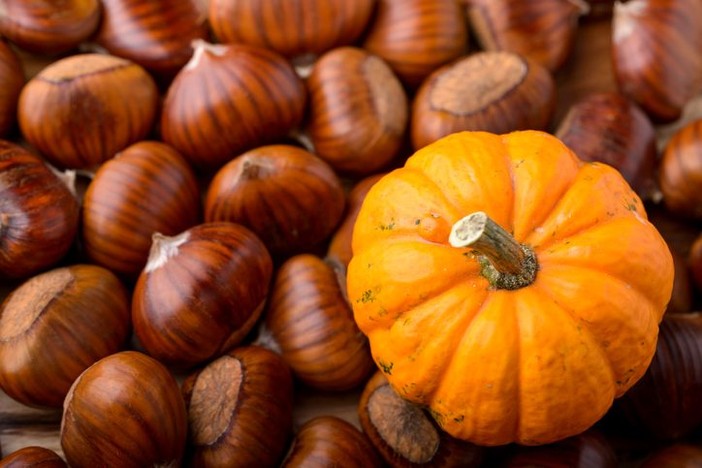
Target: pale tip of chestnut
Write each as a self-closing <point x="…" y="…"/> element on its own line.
<point x="164" y="248"/>
<point x="68" y="176"/>
<point x="582" y="6"/>
<point x="624" y="11"/>
<point x="265" y="339"/>
<point x="200" y="46"/>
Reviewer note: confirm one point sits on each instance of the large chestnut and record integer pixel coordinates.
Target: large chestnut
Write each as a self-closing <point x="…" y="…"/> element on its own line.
<point x="146" y="188"/>
<point x="680" y="171"/>
<point x="309" y="322"/>
<point x="81" y="110"/>
<point x="200" y="292"/>
<point x="55" y="325"/>
<point x="239" y="409"/>
<point x="11" y="82"/>
<point x="125" y="410"/>
<point x="289" y="197"/>
<point x="230" y="98"/>
<point x="38" y="213"/>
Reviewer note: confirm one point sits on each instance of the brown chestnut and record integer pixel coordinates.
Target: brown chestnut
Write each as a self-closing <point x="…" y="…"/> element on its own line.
<point x="319" y="25"/>
<point x="694" y="262"/>
<point x="289" y="197"/>
<point x="146" y="188"/>
<point x="81" y="110"/>
<point x="358" y="111"/>
<point x="585" y="450"/>
<point x="680" y="171"/>
<point x="239" y="409"/>
<point x="55" y="325"/>
<point x="495" y="91"/>
<point x="38" y="209"/>
<point x="156" y="34"/>
<point x="415" y="37"/>
<point x="331" y="441"/>
<point x="11" y="83"/>
<point x="49" y="27"/>
<point x="310" y="323"/>
<point x="230" y="98"/>
<point x="405" y="435"/>
<point x="33" y="456"/>
<point x="677" y="455"/>
<point x="200" y="292"/>
<point x="125" y="410"/>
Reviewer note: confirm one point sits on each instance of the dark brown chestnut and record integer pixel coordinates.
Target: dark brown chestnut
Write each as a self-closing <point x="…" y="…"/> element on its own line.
<point x="81" y="110"/>
<point x="331" y="441"/>
<point x="33" y="456"/>
<point x="49" y="27"/>
<point x="38" y="210"/>
<point x="358" y="111"/>
<point x="11" y="83"/>
<point x="156" y="34"/>
<point x="309" y="322"/>
<point x="289" y="197"/>
<point x="56" y="324"/>
<point x="405" y="435"/>
<point x="680" y="171"/>
<point x="230" y="98"/>
<point x="415" y="37"/>
<point x="125" y="410"/>
<point x="239" y="409"/>
<point x="586" y="450"/>
<point x="494" y="91"/>
<point x="677" y="455"/>
<point x="694" y="263"/>
<point x="200" y="292"/>
<point x="146" y="188"/>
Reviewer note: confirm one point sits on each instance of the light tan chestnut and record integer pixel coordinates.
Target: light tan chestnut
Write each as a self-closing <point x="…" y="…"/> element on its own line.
<point x="230" y="98"/>
<point x="148" y="187"/>
<point x="358" y="111"/>
<point x="239" y="409"/>
<point x="497" y="91"/>
<point x="319" y="25"/>
<point x="656" y="54"/>
<point x="56" y="324"/>
<point x="11" y="83"/>
<point x="289" y="197"/>
<point x="541" y="30"/>
<point x="81" y="110"/>
<point x="125" y="410"/>
<point x="49" y="27"/>
<point x="309" y="322"/>
<point x="415" y="37"/>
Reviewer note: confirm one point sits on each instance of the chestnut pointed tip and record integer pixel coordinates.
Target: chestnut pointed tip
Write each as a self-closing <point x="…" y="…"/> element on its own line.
<point x="164" y="248"/>
<point x="200" y="47"/>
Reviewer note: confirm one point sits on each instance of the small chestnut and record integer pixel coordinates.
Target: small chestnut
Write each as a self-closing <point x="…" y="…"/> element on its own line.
<point x="681" y="454"/>
<point x="694" y="262"/>
<point x="125" y="410"/>
<point x="11" y="83"/>
<point x="680" y="171"/>
<point x="56" y="324"/>
<point x="33" y="456"/>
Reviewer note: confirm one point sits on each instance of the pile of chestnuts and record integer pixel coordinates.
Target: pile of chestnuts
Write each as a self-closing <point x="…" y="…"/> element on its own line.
<point x="178" y="185"/>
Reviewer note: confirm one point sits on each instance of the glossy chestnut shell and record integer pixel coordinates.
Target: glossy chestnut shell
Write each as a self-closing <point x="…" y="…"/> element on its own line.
<point x="11" y="82"/>
<point x="588" y="449"/>
<point x="290" y="198"/>
<point x="37" y="208"/>
<point x="125" y="410"/>
<point x="200" y="293"/>
<point x="146" y="188"/>
<point x="55" y="325"/>
<point x="680" y="171"/>
<point x="33" y="456"/>
<point x="239" y="409"/>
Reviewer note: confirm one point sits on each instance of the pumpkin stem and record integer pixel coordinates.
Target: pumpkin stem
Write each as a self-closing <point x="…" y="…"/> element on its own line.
<point x="506" y="263"/>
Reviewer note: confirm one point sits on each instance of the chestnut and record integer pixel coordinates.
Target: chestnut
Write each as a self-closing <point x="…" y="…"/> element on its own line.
<point x="680" y="171"/>
<point x="230" y="98"/>
<point x="358" y="111"/>
<point x="200" y="292"/>
<point x="56" y="324"/>
<point x="489" y="91"/>
<point x="38" y="208"/>
<point x="125" y="410"/>
<point x="676" y="455"/>
<point x="81" y="110"/>
<point x="11" y="83"/>
<point x="309" y="322"/>
<point x="49" y="27"/>
<point x="415" y="37"/>
<point x="33" y="456"/>
<point x="320" y="25"/>
<point x="585" y="450"/>
<point x="289" y="197"/>
<point x="331" y="441"/>
<point x="694" y="262"/>
<point x="405" y="435"/>
<point x="239" y="409"/>
<point x="148" y="187"/>
<point x="156" y="34"/>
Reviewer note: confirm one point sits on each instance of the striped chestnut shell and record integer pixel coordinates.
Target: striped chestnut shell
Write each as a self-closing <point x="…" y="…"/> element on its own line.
<point x="230" y="98"/>
<point x="680" y="171"/>
<point x="11" y="83"/>
<point x="146" y="188"/>
<point x="200" y="293"/>
<point x="54" y="326"/>
<point x="81" y="110"/>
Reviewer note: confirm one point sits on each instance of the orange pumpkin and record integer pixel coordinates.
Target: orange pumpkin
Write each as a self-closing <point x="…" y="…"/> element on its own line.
<point x="508" y="286"/>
